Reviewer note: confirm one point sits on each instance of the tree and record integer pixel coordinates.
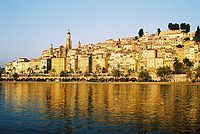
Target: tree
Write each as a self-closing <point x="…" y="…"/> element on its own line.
<point x="116" y="73"/>
<point x="182" y="26"/>
<point x="185" y="27"/>
<point x="64" y="74"/>
<point x="178" y="66"/>
<point x="29" y="70"/>
<point x="197" y="73"/>
<point x="170" y="25"/>
<point x="197" y="35"/>
<point x="37" y="68"/>
<point x="159" y="31"/>
<point x="176" y="27"/>
<point x="188" y="65"/>
<point x="144" y="76"/>
<point x="13" y="70"/>
<point x="15" y="76"/>
<point x="141" y="32"/>
<point x="173" y="26"/>
<point x="164" y="72"/>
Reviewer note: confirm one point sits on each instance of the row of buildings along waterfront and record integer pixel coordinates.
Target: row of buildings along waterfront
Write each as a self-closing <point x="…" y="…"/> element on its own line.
<point x="149" y="52"/>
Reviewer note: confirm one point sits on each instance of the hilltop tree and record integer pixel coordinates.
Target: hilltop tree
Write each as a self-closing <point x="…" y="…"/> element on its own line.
<point x="185" y="27"/>
<point x="182" y="26"/>
<point x="159" y="31"/>
<point x="197" y="35"/>
<point x="173" y="26"/>
<point x="176" y="26"/>
<point x="170" y="25"/>
<point x="141" y="32"/>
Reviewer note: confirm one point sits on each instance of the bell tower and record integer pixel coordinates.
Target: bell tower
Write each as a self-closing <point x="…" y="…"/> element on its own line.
<point x="51" y="50"/>
<point x="68" y="41"/>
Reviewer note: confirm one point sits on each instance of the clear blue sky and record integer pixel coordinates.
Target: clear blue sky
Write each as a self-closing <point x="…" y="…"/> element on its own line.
<point x="29" y="26"/>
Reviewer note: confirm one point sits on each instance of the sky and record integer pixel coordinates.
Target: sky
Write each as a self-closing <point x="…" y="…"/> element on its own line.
<point x="29" y="26"/>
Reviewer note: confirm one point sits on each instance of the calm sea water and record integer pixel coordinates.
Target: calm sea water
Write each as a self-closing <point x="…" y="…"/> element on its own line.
<point x="99" y="108"/>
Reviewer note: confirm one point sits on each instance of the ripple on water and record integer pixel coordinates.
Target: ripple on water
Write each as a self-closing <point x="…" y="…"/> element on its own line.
<point x="99" y="108"/>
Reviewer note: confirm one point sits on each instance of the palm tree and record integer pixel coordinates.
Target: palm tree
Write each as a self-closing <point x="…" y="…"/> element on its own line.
<point x="29" y="70"/>
<point x="164" y="72"/>
<point x="62" y="74"/>
<point x="144" y="76"/>
<point x="188" y="65"/>
<point x="13" y="70"/>
<point x="15" y="76"/>
<point x="37" y="68"/>
<point x="178" y="66"/>
<point x="116" y="73"/>
<point x="197" y="74"/>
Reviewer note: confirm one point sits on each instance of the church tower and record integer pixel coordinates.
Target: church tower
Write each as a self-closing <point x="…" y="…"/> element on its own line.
<point x="51" y="50"/>
<point x="68" y="42"/>
<point x="79" y="44"/>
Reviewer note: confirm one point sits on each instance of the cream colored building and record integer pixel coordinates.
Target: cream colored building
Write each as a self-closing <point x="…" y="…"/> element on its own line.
<point x="83" y="63"/>
<point x="58" y="65"/>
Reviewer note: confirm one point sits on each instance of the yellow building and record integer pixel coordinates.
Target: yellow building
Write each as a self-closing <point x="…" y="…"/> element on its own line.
<point x="34" y="65"/>
<point x="99" y="61"/>
<point x="83" y="63"/>
<point x="180" y="54"/>
<point x="58" y="65"/>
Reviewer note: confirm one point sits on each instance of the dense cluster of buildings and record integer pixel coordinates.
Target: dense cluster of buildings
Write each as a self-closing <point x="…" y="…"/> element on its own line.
<point x="147" y="52"/>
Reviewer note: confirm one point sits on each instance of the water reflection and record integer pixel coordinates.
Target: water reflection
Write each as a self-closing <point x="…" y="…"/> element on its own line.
<point x="107" y="108"/>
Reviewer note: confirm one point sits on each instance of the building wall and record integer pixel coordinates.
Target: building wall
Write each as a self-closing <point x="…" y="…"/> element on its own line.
<point x="59" y="64"/>
<point x="83" y="63"/>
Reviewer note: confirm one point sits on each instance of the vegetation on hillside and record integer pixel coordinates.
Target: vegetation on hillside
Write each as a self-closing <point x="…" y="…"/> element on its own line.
<point x="183" y="26"/>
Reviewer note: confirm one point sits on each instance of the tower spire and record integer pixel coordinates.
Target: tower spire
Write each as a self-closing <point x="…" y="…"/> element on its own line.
<point x="68" y="42"/>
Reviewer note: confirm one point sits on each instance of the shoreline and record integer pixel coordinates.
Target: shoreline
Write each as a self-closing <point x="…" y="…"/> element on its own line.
<point x="141" y="83"/>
